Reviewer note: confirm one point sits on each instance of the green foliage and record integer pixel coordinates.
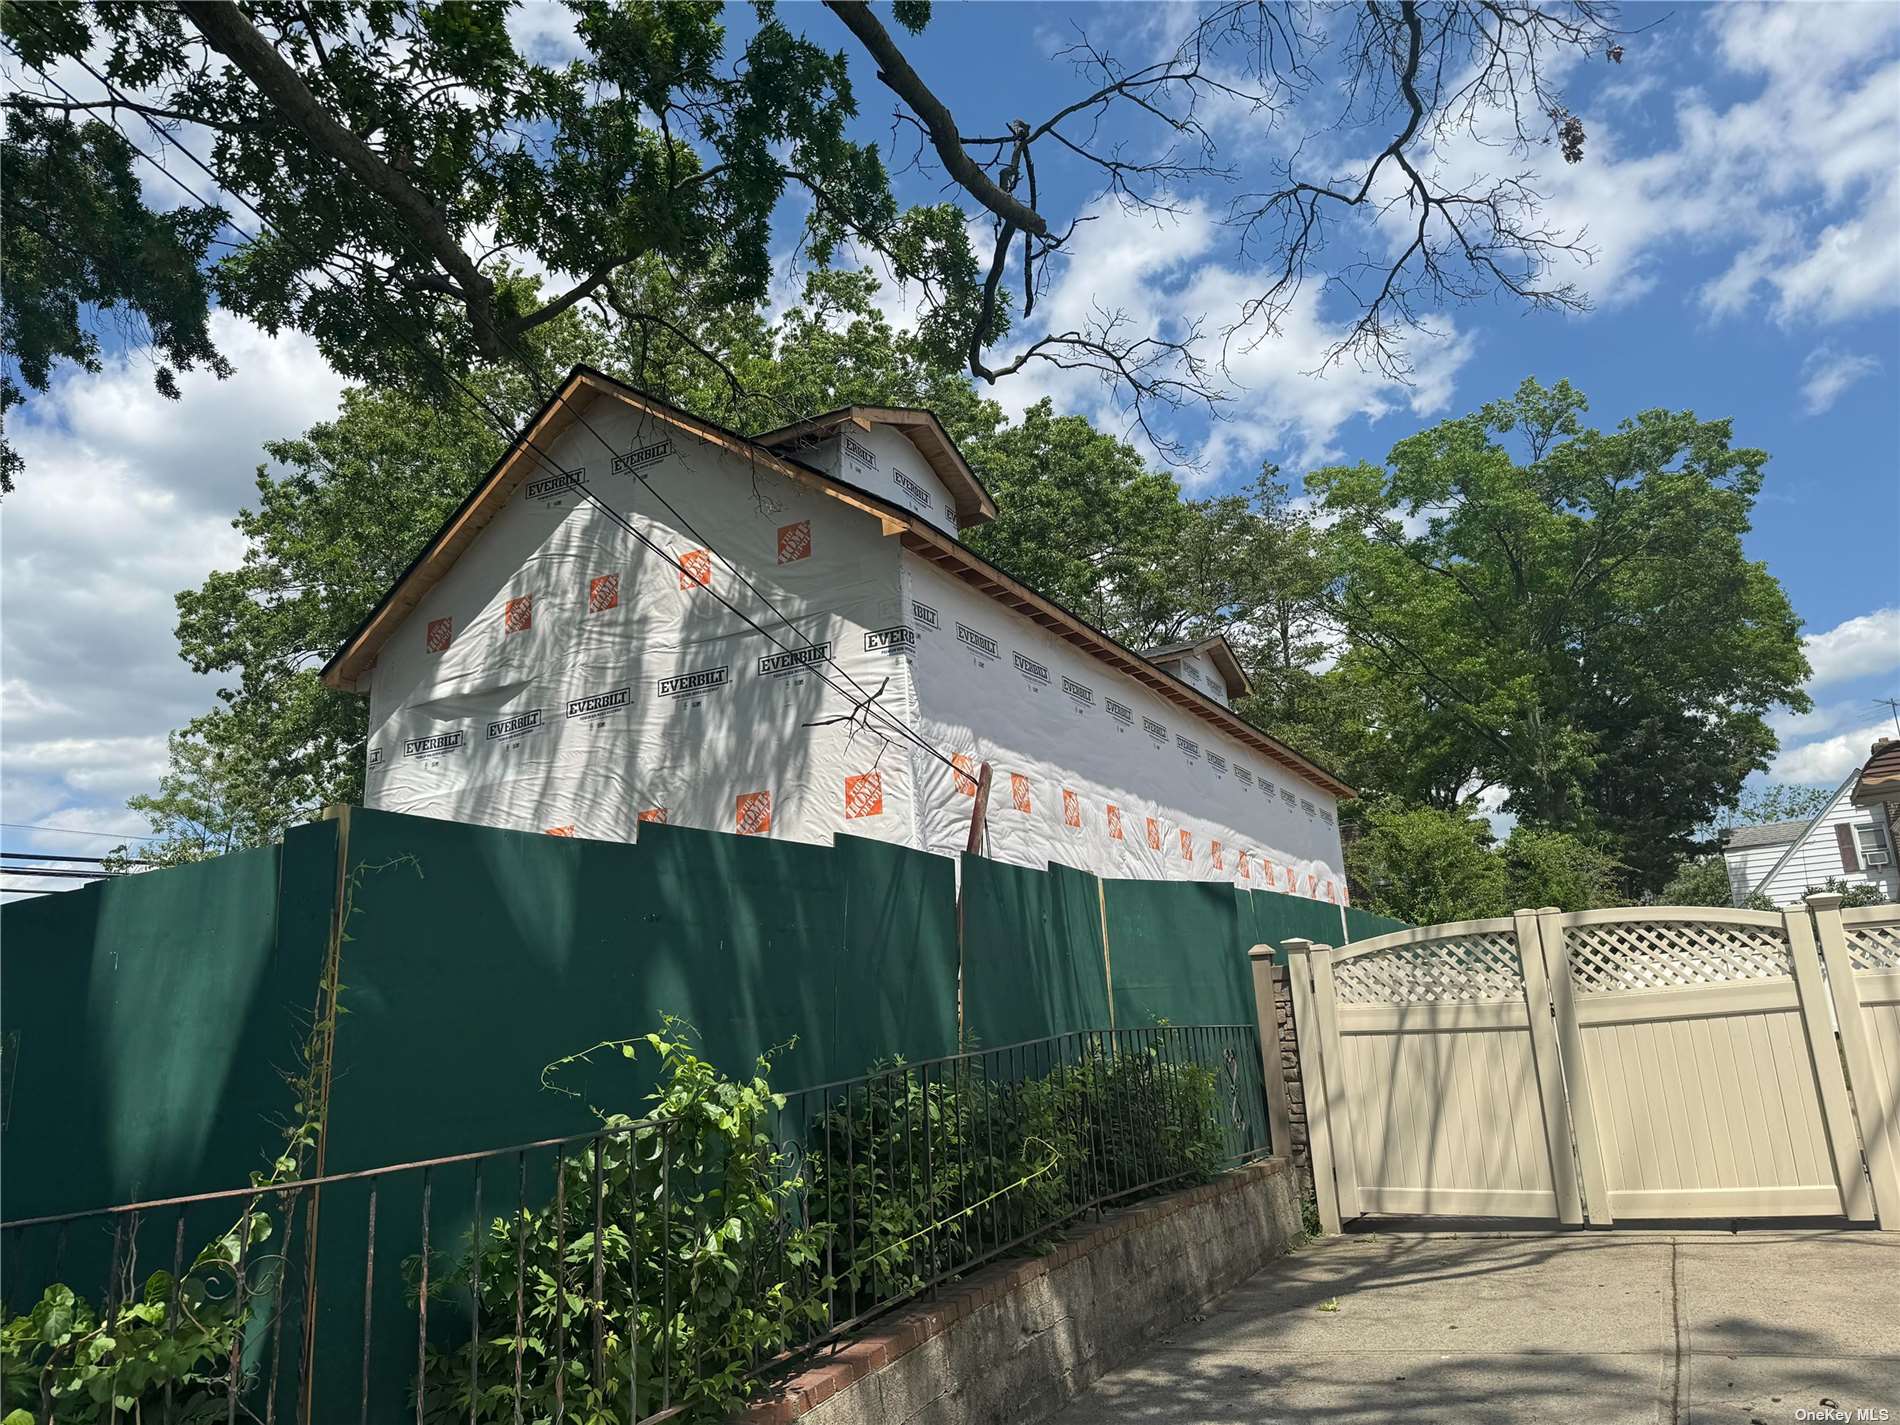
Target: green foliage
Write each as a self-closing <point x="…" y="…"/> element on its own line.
<point x="1009" y="1161"/>
<point x="699" y="1204"/>
<point x="1858" y="894"/>
<point x="77" y="244"/>
<point x="1774" y="801"/>
<point x="65" y="1360"/>
<point x="1567" y="614"/>
<point x="1426" y="866"/>
<point x="400" y="130"/>
<point x="1700" y="880"/>
<point x="1554" y="868"/>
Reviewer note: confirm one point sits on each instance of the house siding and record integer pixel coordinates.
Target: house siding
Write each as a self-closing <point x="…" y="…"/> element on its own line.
<point x="1816" y="857"/>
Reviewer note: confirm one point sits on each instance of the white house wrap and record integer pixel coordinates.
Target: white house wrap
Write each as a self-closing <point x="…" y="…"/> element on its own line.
<point x="541" y="668"/>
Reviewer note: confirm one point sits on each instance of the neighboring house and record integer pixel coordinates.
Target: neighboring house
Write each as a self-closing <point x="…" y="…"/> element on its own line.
<point x="1848" y="842"/>
<point x="1752" y="851"/>
<point x="751" y="649"/>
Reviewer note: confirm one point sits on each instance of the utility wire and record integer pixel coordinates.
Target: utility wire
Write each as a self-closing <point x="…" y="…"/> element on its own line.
<point x="864" y="698"/>
<point x="76" y="831"/>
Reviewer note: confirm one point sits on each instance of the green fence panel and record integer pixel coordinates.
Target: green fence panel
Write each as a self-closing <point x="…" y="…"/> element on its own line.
<point x="478" y="957"/>
<point x="1278" y="918"/>
<point x="1032" y="953"/>
<point x="1178" y="952"/>
<point x="147" y="1024"/>
<point x="1365" y="924"/>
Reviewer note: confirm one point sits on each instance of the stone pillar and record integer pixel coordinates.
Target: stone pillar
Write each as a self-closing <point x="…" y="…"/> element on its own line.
<point x="1300" y="1147"/>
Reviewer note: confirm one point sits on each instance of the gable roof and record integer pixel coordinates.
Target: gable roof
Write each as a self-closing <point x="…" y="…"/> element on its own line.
<point x="1807" y="830"/>
<point x="1880" y="774"/>
<point x="1218" y="649"/>
<point x="585" y="386"/>
<point x="921" y="428"/>
<point x="1769" y="833"/>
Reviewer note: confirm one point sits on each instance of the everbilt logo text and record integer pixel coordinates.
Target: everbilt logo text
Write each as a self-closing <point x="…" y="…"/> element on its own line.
<point x="924" y="614"/>
<point x="1187" y="745"/>
<point x="629" y="461"/>
<point x="890" y="640"/>
<point x="511" y="726"/>
<point x="859" y="453"/>
<point x="432" y="746"/>
<point x="1077" y="691"/>
<point x="777" y="665"/>
<point x="1154" y="729"/>
<point x="557" y="484"/>
<point x="912" y="488"/>
<point x="1030" y="668"/>
<point x="681" y="684"/>
<point x="981" y="642"/>
<point x="598" y="702"/>
<point x="1121" y="712"/>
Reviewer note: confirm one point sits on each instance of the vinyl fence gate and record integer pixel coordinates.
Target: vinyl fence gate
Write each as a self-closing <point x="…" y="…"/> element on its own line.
<point x="1634" y="1064"/>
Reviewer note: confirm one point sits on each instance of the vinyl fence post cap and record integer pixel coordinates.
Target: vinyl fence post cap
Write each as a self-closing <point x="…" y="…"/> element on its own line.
<point x="1296" y="946"/>
<point x="1260" y="952"/>
<point x="1825" y="900"/>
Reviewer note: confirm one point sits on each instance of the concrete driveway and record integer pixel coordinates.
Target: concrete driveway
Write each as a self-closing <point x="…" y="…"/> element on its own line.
<point x="1630" y="1326"/>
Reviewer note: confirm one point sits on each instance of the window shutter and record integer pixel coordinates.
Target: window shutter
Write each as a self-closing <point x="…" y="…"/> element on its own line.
<point x="1845" y="836"/>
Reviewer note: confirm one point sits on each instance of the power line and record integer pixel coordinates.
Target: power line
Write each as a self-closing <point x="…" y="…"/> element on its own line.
<point x="865" y="700"/>
<point x="41" y="856"/>
<point x="76" y="831"/>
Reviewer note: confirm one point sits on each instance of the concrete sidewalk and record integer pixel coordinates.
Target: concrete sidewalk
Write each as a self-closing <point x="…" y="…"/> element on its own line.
<point x="1627" y="1326"/>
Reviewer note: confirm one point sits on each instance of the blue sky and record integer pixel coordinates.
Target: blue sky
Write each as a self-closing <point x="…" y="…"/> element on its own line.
<point x="1741" y="192"/>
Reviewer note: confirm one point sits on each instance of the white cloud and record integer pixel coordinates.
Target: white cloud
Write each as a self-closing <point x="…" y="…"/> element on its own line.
<point x="1166" y="271"/>
<point x="1860" y="647"/>
<point x="126" y="499"/>
<point x="1827" y="373"/>
<point x="1828" y="761"/>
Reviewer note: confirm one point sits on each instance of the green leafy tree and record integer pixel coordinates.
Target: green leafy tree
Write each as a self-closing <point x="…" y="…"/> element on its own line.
<point x="1568" y="615"/>
<point x="1425" y="865"/>
<point x="410" y="163"/>
<point x="1700" y="880"/>
<point x="1554" y="868"/>
<point x="1774" y="801"/>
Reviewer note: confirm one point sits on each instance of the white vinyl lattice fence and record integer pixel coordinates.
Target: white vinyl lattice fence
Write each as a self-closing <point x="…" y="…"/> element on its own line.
<point x="1642" y="1064"/>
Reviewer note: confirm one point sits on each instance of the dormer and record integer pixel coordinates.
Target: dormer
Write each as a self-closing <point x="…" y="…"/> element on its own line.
<point x="1208" y="665"/>
<point x="901" y="455"/>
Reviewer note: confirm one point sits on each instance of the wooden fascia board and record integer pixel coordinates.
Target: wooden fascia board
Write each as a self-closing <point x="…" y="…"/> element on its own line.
<point x="925" y="540"/>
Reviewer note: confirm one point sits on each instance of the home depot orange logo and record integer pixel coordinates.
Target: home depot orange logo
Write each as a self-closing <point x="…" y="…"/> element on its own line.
<point x="753" y="813"/>
<point x="1154" y="834"/>
<point x="567" y="830"/>
<point x="965" y="774"/>
<point x="1114" y="822"/>
<point x="1329" y="892"/>
<point x="1019" y="791"/>
<point x="603" y="593"/>
<point x="1187" y="845"/>
<point x="864" y="795"/>
<point x="1246" y="868"/>
<point x="1071" y="809"/>
<point x="1214" y="850"/>
<point x="1311" y="882"/>
<point x="695" y="568"/>
<point x="654" y="814"/>
<point x="517" y="615"/>
<point x="794" y="542"/>
<point x="441" y="633"/>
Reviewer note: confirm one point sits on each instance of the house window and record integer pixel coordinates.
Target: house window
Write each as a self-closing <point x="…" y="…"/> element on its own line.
<point x="1873" y="848"/>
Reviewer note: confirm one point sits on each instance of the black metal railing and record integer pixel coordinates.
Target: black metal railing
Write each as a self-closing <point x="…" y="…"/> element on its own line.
<point x="631" y="1274"/>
